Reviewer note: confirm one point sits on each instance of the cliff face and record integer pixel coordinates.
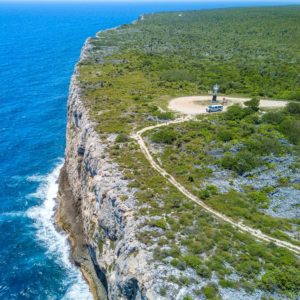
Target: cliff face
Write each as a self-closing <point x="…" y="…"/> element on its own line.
<point x="105" y="207"/>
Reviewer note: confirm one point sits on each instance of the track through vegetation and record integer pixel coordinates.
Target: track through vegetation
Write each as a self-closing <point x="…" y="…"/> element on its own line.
<point x="138" y="136"/>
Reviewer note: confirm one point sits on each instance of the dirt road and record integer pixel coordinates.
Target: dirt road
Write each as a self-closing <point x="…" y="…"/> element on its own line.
<point x="257" y="234"/>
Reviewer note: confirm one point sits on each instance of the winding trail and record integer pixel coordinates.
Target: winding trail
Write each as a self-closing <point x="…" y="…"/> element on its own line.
<point x="257" y="234"/>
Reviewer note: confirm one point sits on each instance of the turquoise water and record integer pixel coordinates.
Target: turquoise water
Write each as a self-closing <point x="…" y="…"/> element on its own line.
<point x="39" y="45"/>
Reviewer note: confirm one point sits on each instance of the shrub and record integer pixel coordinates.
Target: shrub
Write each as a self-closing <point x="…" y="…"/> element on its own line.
<point x="273" y="118"/>
<point x="180" y="265"/>
<point x="242" y="162"/>
<point x="235" y="112"/>
<point x="161" y="223"/>
<point x="174" y="251"/>
<point x="203" y="272"/>
<point x="283" y="181"/>
<point x="204" y="194"/>
<point x="177" y="75"/>
<point x="170" y="235"/>
<point x="122" y="138"/>
<point x="227" y="283"/>
<point x="208" y="191"/>
<point x="165" y="136"/>
<point x="252" y="119"/>
<point x="264" y="145"/>
<point x="291" y="128"/>
<point x="162" y="242"/>
<point x="286" y="278"/>
<point x="185" y="219"/>
<point x="249" y="268"/>
<point x="212" y="189"/>
<point x="196" y="247"/>
<point x="295" y="95"/>
<point x="293" y="108"/>
<point x="259" y="197"/>
<point x="100" y="245"/>
<point x="225" y="135"/>
<point x="163" y="291"/>
<point x="168" y="115"/>
<point x="184" y="280"/>
<point x="210" y="291"/>
<point x="253" y="104"/>
<point x="192" y="261"/>
<point x="159" y="254"/>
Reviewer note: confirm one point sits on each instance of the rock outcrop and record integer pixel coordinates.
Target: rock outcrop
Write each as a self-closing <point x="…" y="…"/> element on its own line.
<point x="104" y="206"/>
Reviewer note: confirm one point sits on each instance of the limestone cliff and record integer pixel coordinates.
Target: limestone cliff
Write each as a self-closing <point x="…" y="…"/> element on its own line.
<point x="104" y="207"/>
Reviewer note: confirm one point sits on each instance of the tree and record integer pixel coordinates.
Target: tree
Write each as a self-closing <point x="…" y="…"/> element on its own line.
<point x="273" y="117"/>
<point x="253" y="103"/>
<point x="235" y="112"/>
<point x="165" y="136"/>
<point x="293" y="108"/>
<point x="291" y="128"/>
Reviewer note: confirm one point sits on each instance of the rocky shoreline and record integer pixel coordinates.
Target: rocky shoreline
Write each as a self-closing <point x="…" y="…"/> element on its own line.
<point x="96" y="209"/>
<point x="68" y="219"/>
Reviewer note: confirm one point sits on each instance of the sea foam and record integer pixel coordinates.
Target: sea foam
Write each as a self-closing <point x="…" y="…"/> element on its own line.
<point x="56" y="243"/>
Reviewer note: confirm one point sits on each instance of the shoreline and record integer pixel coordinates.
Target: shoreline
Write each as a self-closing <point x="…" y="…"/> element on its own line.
<point x="69" y="221"/>
<point x="68" y="216"/>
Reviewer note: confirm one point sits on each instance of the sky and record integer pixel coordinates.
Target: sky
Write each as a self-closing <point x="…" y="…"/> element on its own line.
<point x="165" y="1"/>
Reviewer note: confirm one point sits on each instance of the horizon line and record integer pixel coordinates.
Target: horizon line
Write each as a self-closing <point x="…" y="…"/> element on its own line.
<point x="155" y="1"/>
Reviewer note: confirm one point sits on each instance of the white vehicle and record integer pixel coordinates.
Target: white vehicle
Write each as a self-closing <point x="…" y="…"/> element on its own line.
<point x="214" y="108"/>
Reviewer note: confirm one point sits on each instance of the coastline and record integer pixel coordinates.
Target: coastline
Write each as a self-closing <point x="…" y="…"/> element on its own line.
<point x="69" y="221"/>
<point x="68" y="216"/>
<point x="97" y="210"/>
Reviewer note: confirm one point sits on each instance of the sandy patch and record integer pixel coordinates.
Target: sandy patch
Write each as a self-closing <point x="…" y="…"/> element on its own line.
<point x="194" y="105"/>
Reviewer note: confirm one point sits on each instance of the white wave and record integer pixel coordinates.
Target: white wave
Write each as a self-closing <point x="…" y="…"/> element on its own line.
<point x="56" y="243"/>
<point x="77" y="291"/>
<point x="35" y="178"/>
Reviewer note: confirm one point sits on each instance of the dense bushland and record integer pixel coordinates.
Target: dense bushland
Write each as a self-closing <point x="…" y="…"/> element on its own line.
<point x="127" y="77"/>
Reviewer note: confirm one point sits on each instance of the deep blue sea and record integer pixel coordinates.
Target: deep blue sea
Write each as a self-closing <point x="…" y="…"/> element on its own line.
<point x="39" y="45"/>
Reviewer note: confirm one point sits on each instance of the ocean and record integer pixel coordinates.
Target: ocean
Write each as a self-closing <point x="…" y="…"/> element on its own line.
<point x="39" y="46"/>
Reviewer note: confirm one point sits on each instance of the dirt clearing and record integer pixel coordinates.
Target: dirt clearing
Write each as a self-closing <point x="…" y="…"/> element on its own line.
<point x="194" y="105"/>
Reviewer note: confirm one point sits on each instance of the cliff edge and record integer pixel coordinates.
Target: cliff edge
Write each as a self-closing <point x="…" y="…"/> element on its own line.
<point x="93" y="211"/>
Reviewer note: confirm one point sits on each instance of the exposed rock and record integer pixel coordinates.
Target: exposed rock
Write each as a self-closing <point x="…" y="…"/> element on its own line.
<point x="285" y="203"/>
<point x="108" y="223"/>
<point x="284" y="200"/>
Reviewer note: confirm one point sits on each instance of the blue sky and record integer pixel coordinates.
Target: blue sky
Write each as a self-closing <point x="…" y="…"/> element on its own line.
<point x="165" y="1"/>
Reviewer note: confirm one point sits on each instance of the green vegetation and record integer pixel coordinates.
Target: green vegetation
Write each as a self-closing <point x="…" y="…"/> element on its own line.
<point x="131" y="74"/>
<point x="211" y="291"/>
<point x="243" y="138"/>
<point x="165" y="136"/>
<point x="253" y="104"/>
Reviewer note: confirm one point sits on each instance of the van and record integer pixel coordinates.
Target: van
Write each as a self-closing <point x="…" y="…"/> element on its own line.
<point x="214" y="108"/>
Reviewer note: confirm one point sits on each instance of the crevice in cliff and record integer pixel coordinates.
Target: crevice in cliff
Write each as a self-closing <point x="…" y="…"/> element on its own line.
<point x="69" y="219"/>
<point x="100" y="273"/>
<point x="131" y="290"/>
